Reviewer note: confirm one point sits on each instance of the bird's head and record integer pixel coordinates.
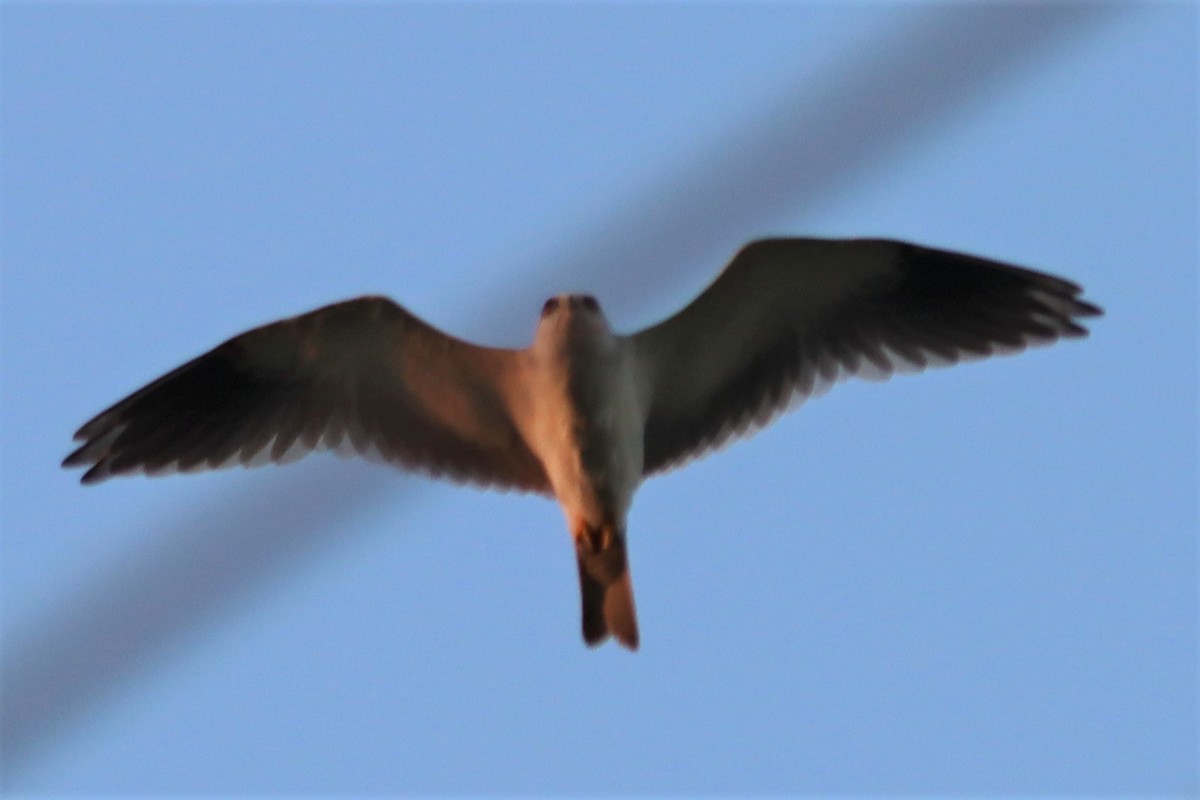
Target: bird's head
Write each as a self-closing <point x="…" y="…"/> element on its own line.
<point x="572" y="318"/>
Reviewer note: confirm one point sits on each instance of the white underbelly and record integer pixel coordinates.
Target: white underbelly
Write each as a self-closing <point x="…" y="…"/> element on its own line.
<point x="592" y="454"/>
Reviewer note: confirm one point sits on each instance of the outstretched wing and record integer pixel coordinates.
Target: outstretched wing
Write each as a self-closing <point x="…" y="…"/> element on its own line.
<point x="363" y="375"/>
<point x="789" y="317"/>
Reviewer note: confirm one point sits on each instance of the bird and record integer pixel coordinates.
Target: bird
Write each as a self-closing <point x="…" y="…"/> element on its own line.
<point x="583" y="414"/>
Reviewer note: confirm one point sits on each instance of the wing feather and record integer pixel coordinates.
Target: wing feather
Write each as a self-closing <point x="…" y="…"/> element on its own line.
<point x="364" y="372"/>
<point x="787" y="318"/>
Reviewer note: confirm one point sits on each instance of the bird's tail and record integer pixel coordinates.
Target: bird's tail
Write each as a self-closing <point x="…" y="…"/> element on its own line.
<point x="606" y="589"/>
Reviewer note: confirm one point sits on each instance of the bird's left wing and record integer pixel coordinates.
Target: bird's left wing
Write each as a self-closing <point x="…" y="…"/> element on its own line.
<point x="361" y="376"/>
<point x="789" y="317"/>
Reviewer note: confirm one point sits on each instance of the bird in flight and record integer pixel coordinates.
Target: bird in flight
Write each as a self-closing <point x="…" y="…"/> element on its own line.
<point x="583" y="414"/>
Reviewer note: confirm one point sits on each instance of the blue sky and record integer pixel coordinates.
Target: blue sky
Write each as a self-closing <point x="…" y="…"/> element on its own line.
<point x="979" y="580"/>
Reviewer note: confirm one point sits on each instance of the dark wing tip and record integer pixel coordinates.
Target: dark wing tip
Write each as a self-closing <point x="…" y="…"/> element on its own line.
<point x="96" y="436"/>
<point x="78" y="458"/>
<point x="96" y="474"/>
<point x="182" y="417"/>
<point x="230" y="404"/>
<point x="75" y="459"/>
<point x="1007" y="296"/>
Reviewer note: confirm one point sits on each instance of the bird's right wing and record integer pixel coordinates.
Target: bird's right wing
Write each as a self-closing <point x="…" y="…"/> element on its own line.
<point x="362" y="375"/>
<point x="789" y="317"/>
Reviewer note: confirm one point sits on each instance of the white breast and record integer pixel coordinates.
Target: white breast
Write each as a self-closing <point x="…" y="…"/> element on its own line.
<point x="586" y="424"/>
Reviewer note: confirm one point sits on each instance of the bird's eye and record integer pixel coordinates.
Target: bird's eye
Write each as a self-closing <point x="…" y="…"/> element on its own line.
<point x="589" y="302"/>
<point x="550" y="306"/>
